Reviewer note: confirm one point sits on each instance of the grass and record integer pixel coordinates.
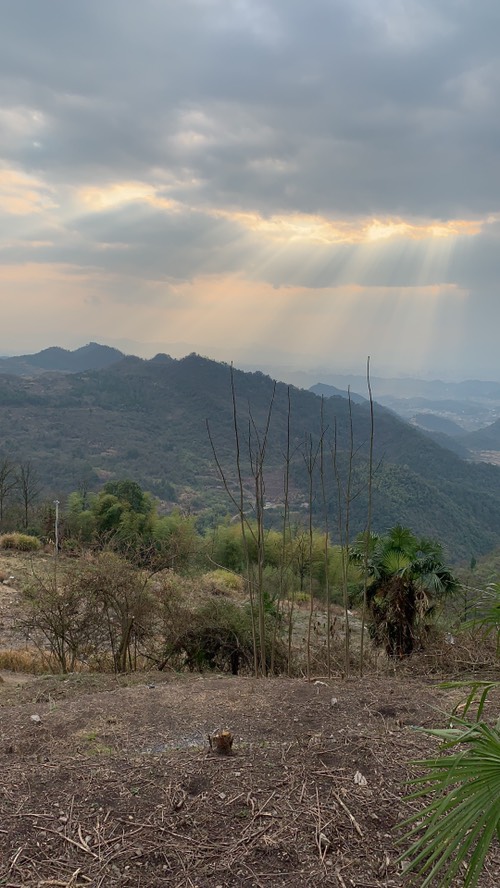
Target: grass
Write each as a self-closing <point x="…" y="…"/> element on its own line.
<point x="20" y="542"/>
<point x="32" y="662"/>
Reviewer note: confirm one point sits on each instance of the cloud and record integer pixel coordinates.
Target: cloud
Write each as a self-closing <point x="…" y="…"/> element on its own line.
<point x="339" y="152"/>
<point x="22" y="195"/>
<point x="331" y="108"/>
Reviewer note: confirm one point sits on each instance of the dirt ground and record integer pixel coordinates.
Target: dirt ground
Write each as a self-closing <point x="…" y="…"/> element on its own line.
<point x="111" y="782"/>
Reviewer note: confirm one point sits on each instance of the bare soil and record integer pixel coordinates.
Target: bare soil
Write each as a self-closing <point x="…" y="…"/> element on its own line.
<point x="111" y="781"/>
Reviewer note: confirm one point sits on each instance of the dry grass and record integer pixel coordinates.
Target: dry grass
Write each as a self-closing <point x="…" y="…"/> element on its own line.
<point x="31" y="662"/>
<point x="21" y="542"/>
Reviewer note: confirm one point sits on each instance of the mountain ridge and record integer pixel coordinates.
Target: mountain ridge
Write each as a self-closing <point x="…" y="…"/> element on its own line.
<point x="147" y="419"/>
<point x="92" y="356"/>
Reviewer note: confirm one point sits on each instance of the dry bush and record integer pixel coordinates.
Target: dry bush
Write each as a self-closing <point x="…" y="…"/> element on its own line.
<point x="213" y="634"/>
<point x="21" y="542"/>
<point x="463" y="652"/>
<point x="32" y="662"/>
<point x="94" y="610"/>
<point x="320" y="657"/>
<point x="124" y="599"/>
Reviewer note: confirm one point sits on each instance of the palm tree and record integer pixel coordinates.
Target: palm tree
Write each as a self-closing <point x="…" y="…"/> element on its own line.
<point x="407" y="576"/>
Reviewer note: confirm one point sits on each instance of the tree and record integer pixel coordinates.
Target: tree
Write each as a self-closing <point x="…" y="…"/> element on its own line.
<point x="30" y="487"/>
<point x="407" y="576"/>
<point x="175" y="541"/>
<point x="8" y="482"/>
<point x="123" y="510"/>
<point x="61" y="617"/>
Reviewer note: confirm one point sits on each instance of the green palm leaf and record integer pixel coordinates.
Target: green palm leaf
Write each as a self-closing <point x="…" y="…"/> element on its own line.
<point x="457" y="826"/>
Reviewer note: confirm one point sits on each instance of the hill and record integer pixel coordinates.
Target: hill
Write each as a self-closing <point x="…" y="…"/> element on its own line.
<point x="484" y="439"/>
<point x="331" y="391"/>
<point x="90" y="357"/>
<point x="429" y="422"/>
<point x="147" y="420"/>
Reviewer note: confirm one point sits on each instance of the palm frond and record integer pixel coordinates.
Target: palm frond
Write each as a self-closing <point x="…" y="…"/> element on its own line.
<point x="457" y="826"/>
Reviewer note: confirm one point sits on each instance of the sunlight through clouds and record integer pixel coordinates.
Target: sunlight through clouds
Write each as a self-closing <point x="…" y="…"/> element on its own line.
<point x="22" y="194"/>
<point x="312" y="180"/>
<point x="97" y="198"/>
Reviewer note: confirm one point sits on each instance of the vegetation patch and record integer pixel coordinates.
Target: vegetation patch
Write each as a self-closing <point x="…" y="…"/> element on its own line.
<point x="21" y="542"/>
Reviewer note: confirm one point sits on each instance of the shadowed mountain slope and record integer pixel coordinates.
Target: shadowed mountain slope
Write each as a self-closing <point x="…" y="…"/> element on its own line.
<point x="147" y="420"/>
<point x="90" y="357"/>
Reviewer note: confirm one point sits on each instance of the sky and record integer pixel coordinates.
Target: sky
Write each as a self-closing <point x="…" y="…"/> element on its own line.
<point x="294" y="183"/>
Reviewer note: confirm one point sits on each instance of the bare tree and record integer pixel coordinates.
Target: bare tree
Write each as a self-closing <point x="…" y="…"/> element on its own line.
<point x="30" y="487"/>
<point x="310" y="457"/>
<point x="368" y="521"/>
<point x="257" y="452"/>
<point x="345" y="497"/>
<point x="326" y="543"/>
<point x="8" y="483"/>
<point x="257" y="445"/>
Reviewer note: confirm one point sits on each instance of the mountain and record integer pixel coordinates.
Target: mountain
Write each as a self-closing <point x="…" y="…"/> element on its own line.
<point x="444" y="432"/>
<point x="429" y="422"/>
<point x="331" y="391"/>
<point x="471" y="404"/>
<point x="90" y="357"/>
<point x="484" y="439"/>
<point x="147" y="420"/>
<point x="407" y="387"/>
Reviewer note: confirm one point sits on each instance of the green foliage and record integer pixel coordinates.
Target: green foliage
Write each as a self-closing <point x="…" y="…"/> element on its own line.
<point x="457" y="827"/>
<point x="223" y="582"/>
<point x="174" y="540"/>
<point x="80" y="522"/>
<point x="129" y="494"/>
<point x="149" y="419"/>
<point x="289" y="558"/>
<point x="124" y="517"/>
<point x="407" y="577"/>
<point x="22" y="542"/>
<point x="488" y="612"/>
<point x="225" y="547"/>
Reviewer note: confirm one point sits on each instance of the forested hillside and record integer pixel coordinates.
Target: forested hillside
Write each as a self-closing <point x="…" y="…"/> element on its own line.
<point x="147" y="420"/>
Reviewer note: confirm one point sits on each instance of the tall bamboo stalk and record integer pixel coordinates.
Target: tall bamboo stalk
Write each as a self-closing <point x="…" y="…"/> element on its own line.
<point x="368" y="521"/>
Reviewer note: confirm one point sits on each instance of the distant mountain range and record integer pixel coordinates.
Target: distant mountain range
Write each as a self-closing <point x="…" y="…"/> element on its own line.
<point x="331" y="391"/>
<point x="147" y="420"/>
<point x="462" y="416"/>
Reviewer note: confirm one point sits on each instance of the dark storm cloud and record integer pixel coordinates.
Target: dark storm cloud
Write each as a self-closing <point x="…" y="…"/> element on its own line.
<point x="326" y="106"/>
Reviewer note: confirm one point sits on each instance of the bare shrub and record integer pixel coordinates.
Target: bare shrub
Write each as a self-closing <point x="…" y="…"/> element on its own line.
<point x="216" y="635"/>
<point x="122" y="597"/>
<point x="59" y="618"/>
<point x="94" y="611"/>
